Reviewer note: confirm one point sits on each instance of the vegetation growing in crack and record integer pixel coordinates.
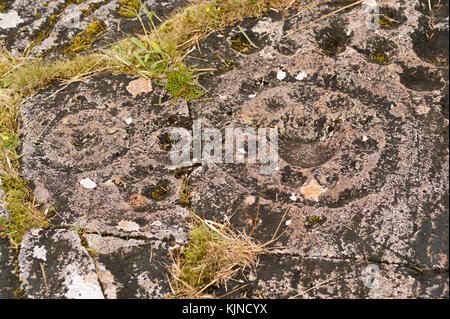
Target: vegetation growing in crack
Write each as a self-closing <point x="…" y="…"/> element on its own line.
<point x="129" y="8"/>
<point x="85" y="39"/>
<point x="215" y="253"/>
<point x="185" y="192"/>
<point x="160" y="193"/>
<point x="3" y="5"/>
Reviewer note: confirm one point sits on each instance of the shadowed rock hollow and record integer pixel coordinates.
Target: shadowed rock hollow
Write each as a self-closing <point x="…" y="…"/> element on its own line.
<point x="362" y="117"/>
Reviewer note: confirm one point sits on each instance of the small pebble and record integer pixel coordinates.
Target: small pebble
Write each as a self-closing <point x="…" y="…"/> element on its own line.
<point x="88" y="183"/>
<point x="301" y="76"/>
<point x="281" y="75"/>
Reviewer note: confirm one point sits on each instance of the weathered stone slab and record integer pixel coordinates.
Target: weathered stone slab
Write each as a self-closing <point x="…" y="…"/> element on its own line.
<point x="362" y="116"/>
<point x="363" y="145"/>
<point x="54" y="264"/>
<point x="98" y="134"/>
<point x="132" y="268"/>
<point x="286" y="276"/>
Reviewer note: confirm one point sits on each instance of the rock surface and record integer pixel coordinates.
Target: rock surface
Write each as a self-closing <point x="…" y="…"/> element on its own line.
<point x="362" y="117"/>
<point x="8" y="280"/>
<point x="48" y="27"/>
<point x="54" y="264"/>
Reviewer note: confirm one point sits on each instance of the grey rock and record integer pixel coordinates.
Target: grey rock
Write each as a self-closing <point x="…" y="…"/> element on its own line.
<point x="54" y="264"/>
<point x="8" y="280"/>
<point x="132" y="268"/>
<point x="362" y="174"/>
<point x="137" y="192"/>
<point x="51" y="28"/>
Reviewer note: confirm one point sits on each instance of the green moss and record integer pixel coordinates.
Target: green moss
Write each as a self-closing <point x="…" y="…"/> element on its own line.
<point x="92" y="8"/>
<point x="3" y="5"/>
<point x="185" y="193"/>
<point x="18" y="293"/>
<point x="379" y="57"/>
<point x="91" y="251"/>
<point x="37" y="15"/>
<point x="85" y="39"/>
<point x="194" y="256"/>
<point x="159" y="193"/>
<point x="44" y="33"/>
<point x="385" y="22"/>
<point x="69" y="2"/>
<point x="22" y="215"/>
<point x="53" y="19"/>
<point x="312" y="221"/>
<point x="238" y="44"/>
<point x="128" y="8"/>
<point x="438" y="61"/>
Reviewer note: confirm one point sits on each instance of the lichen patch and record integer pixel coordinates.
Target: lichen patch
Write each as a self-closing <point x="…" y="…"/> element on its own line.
<point x="313" y="190"/>
<point x="128" y="226"/>
<point x="139" y="86"/>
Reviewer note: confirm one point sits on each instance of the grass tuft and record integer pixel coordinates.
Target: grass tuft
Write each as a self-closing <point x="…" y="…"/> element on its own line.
<point x="215" y="254"/>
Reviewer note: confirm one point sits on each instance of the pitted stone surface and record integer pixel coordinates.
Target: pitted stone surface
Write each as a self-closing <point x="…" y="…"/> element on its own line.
<point x="363" y="149"/>
<point x="362" y="116"/>
<point x="87" y="137"/>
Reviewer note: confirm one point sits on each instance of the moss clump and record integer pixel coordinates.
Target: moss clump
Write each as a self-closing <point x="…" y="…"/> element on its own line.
<point x="92" y="8"/>
<point x="159" y="193"/>
<point x="312" y="221"/>
<point x="3" y="5"/>
<point x="22" y="215"/>
<point x="379" y="57"/>
<point x="185" y="193"/>
<point x="385" y="22"/>
<point x="85" y="39"/>
<point x="438" y="61"/>
<point x="18" y="293"/>
<point x="215" y="253"/>
<point x="195" y="272"/>
<point x="69" y="2"/>
<point x="129" y="8"/>
<point x="238" y="44"/>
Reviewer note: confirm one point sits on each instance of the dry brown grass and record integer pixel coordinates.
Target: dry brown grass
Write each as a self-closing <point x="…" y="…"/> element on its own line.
<point x="215" y="254"/>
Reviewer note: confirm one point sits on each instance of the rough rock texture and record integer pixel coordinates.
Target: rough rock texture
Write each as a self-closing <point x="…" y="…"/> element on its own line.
<point x="363" y="152"/>
<point x="131" y="268"/>
<point x="54" y="264"/>
<point x="117" y="141"/>
<point x="8" y="280"/>
<point x="48" y="27"/>
<point x="3" y="211"/>
<point x="362" y="117"/>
